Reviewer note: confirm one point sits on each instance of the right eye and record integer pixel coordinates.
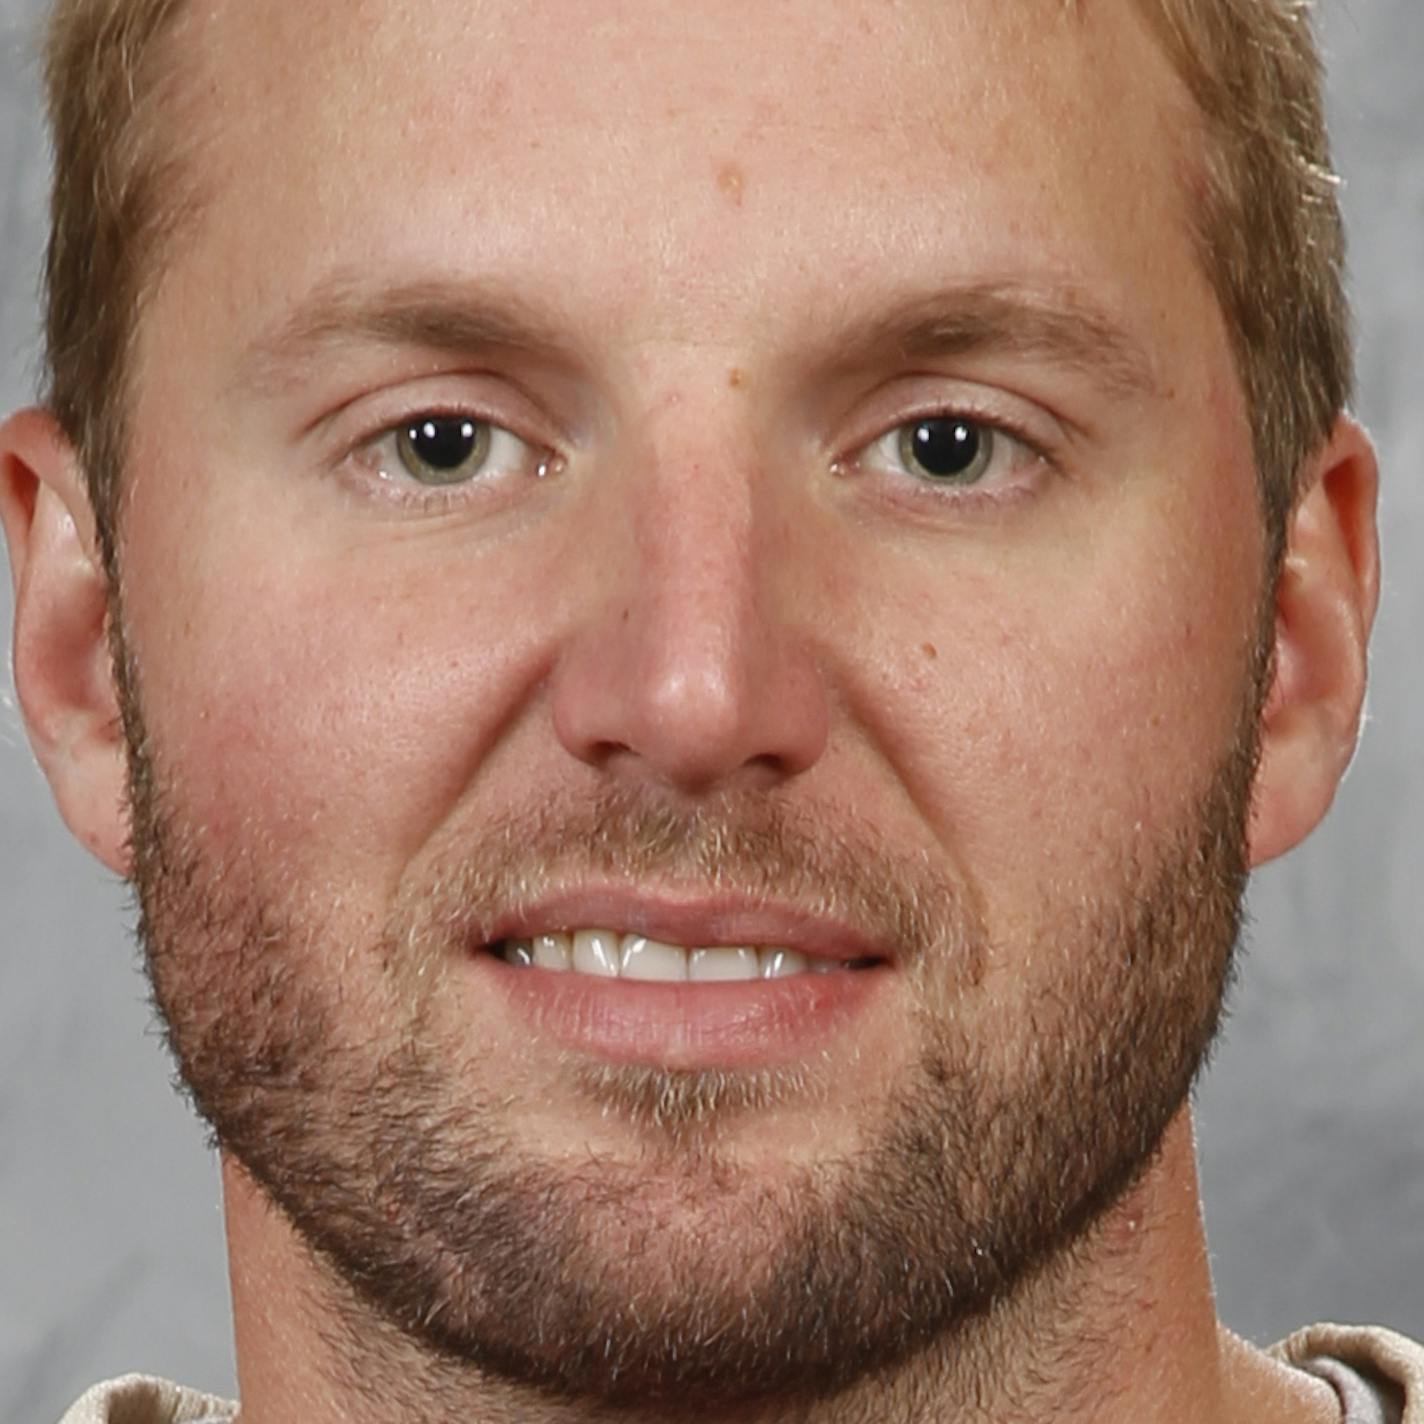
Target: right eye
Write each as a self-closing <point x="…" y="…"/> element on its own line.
<point x="434" y="450"/>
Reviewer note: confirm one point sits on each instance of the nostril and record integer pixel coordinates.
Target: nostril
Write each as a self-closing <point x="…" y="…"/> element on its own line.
<point x="600" y="753"/>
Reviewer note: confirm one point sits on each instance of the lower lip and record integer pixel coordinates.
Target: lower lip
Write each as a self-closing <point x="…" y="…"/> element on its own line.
<point x="718" y="1025"/>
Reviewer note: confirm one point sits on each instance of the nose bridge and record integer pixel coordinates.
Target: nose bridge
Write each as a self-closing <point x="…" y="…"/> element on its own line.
<point x="697" y="584"/>
<point x="692" y="672"/>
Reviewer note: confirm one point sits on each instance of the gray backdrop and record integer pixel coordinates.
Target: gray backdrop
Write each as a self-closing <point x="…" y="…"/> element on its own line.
<point x="1312" y="1119"/>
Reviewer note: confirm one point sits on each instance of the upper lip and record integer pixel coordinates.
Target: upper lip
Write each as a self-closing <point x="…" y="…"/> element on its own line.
<point x="703" y="920"/>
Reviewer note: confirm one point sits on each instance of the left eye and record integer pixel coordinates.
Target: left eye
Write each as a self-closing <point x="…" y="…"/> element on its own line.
<point x="433" y="450"/>
<point x="951" y="452"/>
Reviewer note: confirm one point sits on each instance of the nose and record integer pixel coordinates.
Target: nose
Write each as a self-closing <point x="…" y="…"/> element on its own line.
<point x="688" y="668"/>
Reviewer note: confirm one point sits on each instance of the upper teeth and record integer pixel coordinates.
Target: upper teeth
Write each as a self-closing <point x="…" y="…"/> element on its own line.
<point x="611" y="955"/>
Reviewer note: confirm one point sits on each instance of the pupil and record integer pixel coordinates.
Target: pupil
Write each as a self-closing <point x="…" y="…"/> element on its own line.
<point x="946" y="447"/>
<point x="443" y="443"/>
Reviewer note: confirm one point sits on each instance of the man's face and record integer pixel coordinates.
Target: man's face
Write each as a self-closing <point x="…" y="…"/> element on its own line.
<point x="725" y="476"/>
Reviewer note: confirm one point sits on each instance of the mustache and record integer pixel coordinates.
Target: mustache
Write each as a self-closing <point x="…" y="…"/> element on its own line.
<point x="826" y="860"/>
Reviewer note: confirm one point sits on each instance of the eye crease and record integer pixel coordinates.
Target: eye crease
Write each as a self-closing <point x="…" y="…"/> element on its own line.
<point x="435" y="450"/>
<point x="432" y="451"/>
<point x="953" y="454"/>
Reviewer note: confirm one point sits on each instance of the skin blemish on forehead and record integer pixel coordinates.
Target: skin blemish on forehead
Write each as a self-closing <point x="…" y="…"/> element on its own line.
<point x="731" y="180"/>
<point x="930" y="651"/>
<point x="736" y="379"/>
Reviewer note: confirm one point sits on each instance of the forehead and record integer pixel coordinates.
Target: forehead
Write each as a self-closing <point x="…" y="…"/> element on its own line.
<point x="498" y="60"/>
<point x="647" y="153"/>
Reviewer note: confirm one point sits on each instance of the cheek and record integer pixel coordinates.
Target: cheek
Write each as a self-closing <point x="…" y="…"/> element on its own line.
<point x="325" y="714"/>
<point x="1053" y="709"/>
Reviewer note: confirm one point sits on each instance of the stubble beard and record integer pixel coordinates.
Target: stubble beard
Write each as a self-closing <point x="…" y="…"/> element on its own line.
<point x="394" y="1155"/>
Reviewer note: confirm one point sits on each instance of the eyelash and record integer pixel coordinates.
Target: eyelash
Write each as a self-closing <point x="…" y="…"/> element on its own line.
<point x="385" y="479"/>
<point x="1027" y="450"/>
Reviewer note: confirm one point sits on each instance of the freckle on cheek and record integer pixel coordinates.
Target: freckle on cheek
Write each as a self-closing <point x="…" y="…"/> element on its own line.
<point x="930" y="651"/>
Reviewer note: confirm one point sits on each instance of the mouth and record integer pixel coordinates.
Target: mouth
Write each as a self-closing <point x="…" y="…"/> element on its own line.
<point x="682" y="985"/>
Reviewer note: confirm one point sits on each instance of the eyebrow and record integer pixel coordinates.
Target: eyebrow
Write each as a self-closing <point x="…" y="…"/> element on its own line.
<point x="447" y="316"/>
<point x="1056" y="325"/>
<point x="461" y="317"/>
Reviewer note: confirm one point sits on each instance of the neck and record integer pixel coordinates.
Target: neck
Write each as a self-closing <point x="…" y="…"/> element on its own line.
<point x="1121" y="1328"/>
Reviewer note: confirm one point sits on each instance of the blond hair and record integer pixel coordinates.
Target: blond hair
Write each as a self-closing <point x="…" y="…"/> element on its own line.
<point x="1266" y="220"/>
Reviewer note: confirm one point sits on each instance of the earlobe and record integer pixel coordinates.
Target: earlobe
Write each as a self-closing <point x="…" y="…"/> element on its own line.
<point x="1326" y="595"/>
<point x="63" y="669"/>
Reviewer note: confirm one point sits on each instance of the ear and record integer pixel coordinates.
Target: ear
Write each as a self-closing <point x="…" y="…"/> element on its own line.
<point x="1326" y="597"/>
<point x="63" y="670"/>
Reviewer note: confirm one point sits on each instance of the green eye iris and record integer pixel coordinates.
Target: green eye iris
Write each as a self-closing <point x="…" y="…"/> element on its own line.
<point x="947" y="449"/>
<point x="443" y="449"/>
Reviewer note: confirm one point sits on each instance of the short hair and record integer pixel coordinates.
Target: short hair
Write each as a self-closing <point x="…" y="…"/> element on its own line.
<point x="1265" y="215"/>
